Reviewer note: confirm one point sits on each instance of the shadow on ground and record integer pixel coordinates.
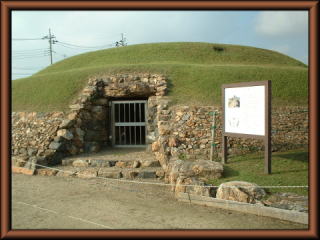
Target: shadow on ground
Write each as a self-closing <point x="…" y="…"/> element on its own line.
<point x="229" y="172"/>
<point x="301" y="156"/>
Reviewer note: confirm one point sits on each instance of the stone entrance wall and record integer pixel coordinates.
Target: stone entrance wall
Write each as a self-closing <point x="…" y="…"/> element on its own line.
<point x="173" y="132"/>
<point x="86" y="127"/>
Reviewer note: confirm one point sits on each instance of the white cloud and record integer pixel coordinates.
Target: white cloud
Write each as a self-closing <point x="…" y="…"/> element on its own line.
<point x="282" y="23"/>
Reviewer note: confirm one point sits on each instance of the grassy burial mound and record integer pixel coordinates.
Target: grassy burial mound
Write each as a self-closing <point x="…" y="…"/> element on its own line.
<point x="196" y="72"/>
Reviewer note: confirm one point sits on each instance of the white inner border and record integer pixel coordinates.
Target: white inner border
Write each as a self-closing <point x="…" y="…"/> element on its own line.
<point x="246" y="115"/>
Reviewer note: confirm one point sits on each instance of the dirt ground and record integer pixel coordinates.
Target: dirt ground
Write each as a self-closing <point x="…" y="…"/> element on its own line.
<point x="40" y="202"/>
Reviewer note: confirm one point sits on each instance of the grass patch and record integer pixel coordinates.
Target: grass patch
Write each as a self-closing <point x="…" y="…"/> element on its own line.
<point x="288" y="169"/>
<point x="195" y="70"/>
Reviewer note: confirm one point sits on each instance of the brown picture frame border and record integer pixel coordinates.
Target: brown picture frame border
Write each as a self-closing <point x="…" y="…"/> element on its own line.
<point x="8" y="6"/>
<point x="267" y="122"/>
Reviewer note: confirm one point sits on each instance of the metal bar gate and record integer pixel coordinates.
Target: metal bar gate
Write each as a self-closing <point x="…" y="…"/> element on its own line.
<point x="129" y="123"/>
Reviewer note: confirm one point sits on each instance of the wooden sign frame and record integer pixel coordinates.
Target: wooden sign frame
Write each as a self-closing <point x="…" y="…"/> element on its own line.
<point x="267" y="124"/>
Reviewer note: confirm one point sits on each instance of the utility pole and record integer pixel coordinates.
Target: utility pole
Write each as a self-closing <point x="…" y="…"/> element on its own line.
<point x="122" y="42"/>
<point x="50" y="44"/>
<point x="51" y="41"/>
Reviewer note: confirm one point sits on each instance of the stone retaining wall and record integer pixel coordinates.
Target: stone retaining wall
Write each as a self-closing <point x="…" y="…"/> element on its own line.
<point x="32" y="134"/>
<point x="173" y="132"/>
<point x="185" y="132"/>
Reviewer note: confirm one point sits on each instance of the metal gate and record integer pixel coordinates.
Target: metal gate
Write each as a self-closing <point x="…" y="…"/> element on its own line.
<point x="129" y="123"/>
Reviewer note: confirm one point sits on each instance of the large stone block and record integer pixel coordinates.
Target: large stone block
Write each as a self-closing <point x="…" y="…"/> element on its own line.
<point x="173" y="142"/>
<point x="46" y="172"/>
<point x="79" y="132"/>
<point x="65" y="133"/>
<point x="19" y="161"/>
<point x="201" y="169"/>
<point x="80" y="163"/>
<point x="207" y="169"/>
<point x="150" y="163"/>
<point x="147" y="174"/>
<point x="129" y="174"/>
<point x="23" y="170"/>
<point x="240" y="191"/>
<point x="88" y="173"/>
<point x="55" y="145"/>
<point x="67" y="123"/>
<point x="163" y="159"/>
<point x="66" y="173"/>
<point x="127" y="164"/>
<point x="155" y="146"/>
<point x="109" y="173"/>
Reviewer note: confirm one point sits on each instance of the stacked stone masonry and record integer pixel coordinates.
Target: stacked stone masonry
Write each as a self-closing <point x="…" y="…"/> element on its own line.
<point x="86" y="127"/>
<point x="32" y="135"/>
<point x="173" y="132"/>
<point x="185" y="132"/>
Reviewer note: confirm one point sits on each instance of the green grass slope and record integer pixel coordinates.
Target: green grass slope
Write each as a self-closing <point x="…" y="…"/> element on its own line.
<point x="195" y="70"/>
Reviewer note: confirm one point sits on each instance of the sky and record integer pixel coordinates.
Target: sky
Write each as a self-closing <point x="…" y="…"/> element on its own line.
<point x="83" y="31"/>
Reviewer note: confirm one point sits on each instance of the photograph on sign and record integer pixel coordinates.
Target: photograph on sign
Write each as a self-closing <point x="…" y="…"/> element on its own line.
<point x="245" y="110"/>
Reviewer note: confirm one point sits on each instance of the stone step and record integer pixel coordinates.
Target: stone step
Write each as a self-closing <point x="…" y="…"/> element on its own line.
<point x="88" y="162"/>
<point x="107" y="172"/>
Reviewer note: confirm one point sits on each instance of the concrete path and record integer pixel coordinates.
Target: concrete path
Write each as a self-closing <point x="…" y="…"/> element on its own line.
<point x="42" y="202"/>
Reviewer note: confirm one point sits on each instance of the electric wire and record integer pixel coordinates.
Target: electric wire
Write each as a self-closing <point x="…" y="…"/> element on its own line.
<point x="26" y="39"/>
<point x="30" y="68"/>
<point x="26" y="57"/>
<point x="79" y="46"/>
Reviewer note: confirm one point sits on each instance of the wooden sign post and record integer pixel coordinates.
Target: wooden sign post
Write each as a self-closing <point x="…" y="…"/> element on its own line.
<point x="247" y="114"/>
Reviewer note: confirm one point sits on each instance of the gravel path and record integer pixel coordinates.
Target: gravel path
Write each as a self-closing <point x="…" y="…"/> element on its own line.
<point x="117" y="154"/>
<point x="40" y="202"/>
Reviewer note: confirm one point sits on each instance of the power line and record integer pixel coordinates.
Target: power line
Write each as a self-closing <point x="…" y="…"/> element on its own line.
<point x="30" y="54"/>
<point x="21" y="74"/>
<point x="26" y="57"/>
<point x="63" y="55"/>
<point x="31" y="68"/>
<point x="26" y="69"/>
<point x="78" y="46"/>
<point x="25" y="39"/>
<point x="72" y="48"/>
<point x="40" y="52"/>
<point x="30" y="50"/>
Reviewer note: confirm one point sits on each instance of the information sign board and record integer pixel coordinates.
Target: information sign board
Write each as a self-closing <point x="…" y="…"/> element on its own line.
<point x="247" y="113"/>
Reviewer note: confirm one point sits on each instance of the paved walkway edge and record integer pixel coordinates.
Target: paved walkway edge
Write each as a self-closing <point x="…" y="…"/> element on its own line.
<point x="288" y="215"/>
